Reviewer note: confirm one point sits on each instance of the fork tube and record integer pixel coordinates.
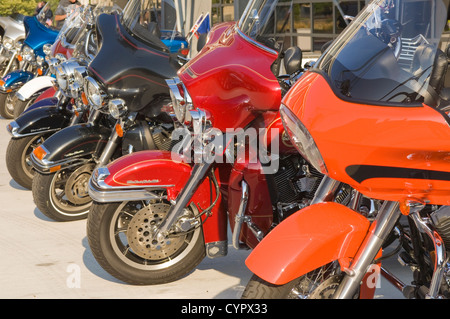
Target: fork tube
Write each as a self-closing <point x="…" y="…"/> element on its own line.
<point x="8" y="67"/>
<point x="326" y="190"/>
<point x="382" y="226"/>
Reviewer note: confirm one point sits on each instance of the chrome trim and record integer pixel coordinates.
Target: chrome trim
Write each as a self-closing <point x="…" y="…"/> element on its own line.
<point x="44" y="165"/>
<point x="240" y="217"/>
<point x="259" y="45"/>
<point x="440" y="258"/>
<point x="20" y="97"/>
<point x="101" y="192"/>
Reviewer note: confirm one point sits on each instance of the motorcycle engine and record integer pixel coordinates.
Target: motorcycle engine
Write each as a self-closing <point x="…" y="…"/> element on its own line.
<point x="441" y="220"/>
<point x="293" y="185"/>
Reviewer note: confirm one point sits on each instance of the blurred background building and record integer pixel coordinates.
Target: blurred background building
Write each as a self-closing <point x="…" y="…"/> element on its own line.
<point x="313" y="22"/>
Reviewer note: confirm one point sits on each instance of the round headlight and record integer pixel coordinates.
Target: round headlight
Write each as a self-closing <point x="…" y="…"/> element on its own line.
<point x="8" y="43"/>
<point x="78" y="75"/>
<point x="27" y="53"/>
<point x="117" y="108"/>
<point x="61" y="77"/>
<point x="93" y="92"/>
<point x="47" y="49"/>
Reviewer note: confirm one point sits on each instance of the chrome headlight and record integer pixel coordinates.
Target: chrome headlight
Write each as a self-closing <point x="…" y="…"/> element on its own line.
<point x="40" y="60"/>
<point x="61" y="77"/>
<point x="65" y="75"/>
<point x="47" y="49"/>
<point x="181" y="100"/>
<point x="117" y="108"/>
<point x="8" y="43"/>
<point x="27" y="53"/>
<point x="78" y="76"/>
<point x="93" y="92"/>
<point x="302" y="139"/>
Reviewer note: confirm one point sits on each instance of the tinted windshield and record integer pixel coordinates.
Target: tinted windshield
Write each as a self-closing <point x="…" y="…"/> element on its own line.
<point x="145" y="19"/>
<point x="387" y="53"/>
<point x="263" y="18"/>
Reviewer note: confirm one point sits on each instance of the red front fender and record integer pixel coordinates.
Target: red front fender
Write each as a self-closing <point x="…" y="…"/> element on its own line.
<point x="309" y="239"/>
<point x="165" y="170"/>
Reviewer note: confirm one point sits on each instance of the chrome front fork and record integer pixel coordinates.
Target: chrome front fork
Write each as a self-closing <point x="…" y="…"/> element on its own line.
<point x="383" y="225"/>
<point x="11" y="61"/>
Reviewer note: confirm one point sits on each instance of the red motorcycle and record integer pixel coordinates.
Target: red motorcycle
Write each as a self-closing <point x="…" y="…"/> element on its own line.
<point x="372" y="113"/>
<point x="156" y="214"/>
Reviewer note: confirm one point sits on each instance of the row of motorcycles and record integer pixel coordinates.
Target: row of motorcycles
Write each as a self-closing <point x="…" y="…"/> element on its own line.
<point x="323" y="170"/>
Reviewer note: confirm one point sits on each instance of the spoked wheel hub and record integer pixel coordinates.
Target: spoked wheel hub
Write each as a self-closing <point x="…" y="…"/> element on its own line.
<point x="76" y="188"/>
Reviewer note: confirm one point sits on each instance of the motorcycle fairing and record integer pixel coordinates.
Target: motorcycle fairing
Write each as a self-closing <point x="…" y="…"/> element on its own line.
<point x="38" y="120"/>
<point x="387" y="152"/>
<point x="153" y="170"/>
<point x="306" y="240"/>
<point x="37" y="35"/>
<point x="71" y="144"/>
<point x="238" y="86"/>
<point x="140" y="78"/>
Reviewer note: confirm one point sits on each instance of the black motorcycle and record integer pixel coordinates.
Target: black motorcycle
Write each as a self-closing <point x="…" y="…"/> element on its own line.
<point x="65" y="108"/>
<point x="126" y="90"/>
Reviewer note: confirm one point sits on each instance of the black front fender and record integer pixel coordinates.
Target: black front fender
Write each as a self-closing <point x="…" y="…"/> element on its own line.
<point x="71" y="145"/>
<point x="40" y="120"/>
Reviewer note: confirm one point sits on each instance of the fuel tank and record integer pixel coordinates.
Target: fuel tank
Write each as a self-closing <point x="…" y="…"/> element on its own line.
<point x="232" y="75"/>
<point x="130" y="68"/>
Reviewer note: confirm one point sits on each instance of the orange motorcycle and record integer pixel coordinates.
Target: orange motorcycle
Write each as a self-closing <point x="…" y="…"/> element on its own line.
<point x="371" y="113"/>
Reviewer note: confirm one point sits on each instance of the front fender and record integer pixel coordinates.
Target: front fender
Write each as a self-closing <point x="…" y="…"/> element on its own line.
<point x="14" y="78"/>
<point x="33" y="86"/>
<point x="40" y="120"/>
<point x="307" y="240"/>
<point x="48" y="93"/>
<point x="140" y="175"/>
<point x="69" y="146"/>
<point x="48" y="102"/>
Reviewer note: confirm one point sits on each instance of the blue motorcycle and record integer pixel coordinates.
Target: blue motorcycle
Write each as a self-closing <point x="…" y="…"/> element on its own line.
<point x="31" y="57"/>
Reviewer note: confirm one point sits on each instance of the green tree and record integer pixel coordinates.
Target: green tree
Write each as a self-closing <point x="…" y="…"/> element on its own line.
<point x="8" y="7"/>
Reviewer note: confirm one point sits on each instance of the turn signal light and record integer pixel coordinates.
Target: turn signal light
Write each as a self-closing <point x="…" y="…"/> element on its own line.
<point x="20" y="58"/>
<point x="84" y="98"/>
<point x="39" y="153"/>
<point x="2" y="83"/>
<point x="119" y="130"/>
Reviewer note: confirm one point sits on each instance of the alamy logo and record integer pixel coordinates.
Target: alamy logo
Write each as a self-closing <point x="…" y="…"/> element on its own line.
<point x="234" y="146"/>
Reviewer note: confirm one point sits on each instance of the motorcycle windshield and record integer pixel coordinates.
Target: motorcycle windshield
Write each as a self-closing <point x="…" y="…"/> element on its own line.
<point x="387" y="53"/>
<point x="144" y="19"/>
<point x="258" y="21"/>
<point x="74" y="26"/>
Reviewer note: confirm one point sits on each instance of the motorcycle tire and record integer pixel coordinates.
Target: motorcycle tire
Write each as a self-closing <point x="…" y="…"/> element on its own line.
<point x="62" y="196"/>
<point x="17" y="158"/>
<point x="133" y="256"/>
<point x="6" y="107"/>
<point x="317" y="284"/>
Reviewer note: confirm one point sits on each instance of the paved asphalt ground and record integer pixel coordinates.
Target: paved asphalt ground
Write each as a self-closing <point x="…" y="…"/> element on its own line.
<point x="44" y="259"/>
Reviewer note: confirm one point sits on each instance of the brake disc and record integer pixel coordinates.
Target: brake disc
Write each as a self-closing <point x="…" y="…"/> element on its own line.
<point x="76" y="188"/>
<point x="143" y="226"/>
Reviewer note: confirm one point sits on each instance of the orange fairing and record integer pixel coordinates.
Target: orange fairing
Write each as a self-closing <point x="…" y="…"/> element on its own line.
<point x="310" y="238"/>
<point x="389" y="152"/>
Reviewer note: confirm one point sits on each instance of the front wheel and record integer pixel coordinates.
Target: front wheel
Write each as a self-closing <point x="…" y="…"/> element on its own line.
<point x="63" y="196"/>
<point x="120" y="237"/>
<point x="6" y="105"/>
<point x="18" y="158"/>
<point x="320" y="283"/>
